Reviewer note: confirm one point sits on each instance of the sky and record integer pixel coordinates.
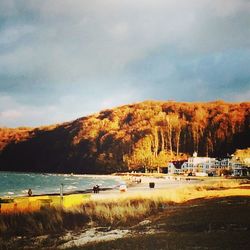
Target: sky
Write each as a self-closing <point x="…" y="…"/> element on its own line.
<point x="63" y="59"/>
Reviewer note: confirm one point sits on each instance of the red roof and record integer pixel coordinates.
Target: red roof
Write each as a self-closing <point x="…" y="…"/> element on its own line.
<point x="178" y="164"/>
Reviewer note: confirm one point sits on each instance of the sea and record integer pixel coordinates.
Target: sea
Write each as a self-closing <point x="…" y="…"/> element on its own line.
<point x="17" y="184"/>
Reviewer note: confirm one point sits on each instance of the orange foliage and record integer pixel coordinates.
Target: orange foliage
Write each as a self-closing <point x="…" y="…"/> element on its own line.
<point x="131" y="136"/>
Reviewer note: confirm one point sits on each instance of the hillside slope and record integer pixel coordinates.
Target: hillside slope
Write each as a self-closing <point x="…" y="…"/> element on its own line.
<point x="128" y="137"/>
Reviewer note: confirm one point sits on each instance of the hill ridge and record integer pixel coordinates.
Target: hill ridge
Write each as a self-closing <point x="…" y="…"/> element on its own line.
<point x="132" y="136"/>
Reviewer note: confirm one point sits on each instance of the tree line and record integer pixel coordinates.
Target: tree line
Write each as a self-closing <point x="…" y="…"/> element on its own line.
<point x="130" y="137"/>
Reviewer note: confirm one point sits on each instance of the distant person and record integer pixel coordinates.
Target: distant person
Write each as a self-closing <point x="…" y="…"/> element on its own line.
<point x="96" y="189"/>
<point x="29" y="192"/>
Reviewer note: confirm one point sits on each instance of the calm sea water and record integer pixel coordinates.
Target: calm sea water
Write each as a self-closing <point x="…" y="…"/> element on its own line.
<point x="16" y="184"/>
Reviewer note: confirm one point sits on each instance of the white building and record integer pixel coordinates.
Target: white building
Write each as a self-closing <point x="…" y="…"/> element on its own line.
<point x="200" y="164"/>
<point x="177" y="167"/>
<point x="223" y="163"/>
<point x="207" y="165"/>
<point x="239" y="168"/>
<point x="241" y="171"/>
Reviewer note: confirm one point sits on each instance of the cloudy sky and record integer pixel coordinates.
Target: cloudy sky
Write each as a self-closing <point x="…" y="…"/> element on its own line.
<point x="63" y="59"/>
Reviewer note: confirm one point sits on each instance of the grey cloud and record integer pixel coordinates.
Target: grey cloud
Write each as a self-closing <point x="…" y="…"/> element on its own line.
<point x="88" y="38"/>
<point x="50" y="49"/>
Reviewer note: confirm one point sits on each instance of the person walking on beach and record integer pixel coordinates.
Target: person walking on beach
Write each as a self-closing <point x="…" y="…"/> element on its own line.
<point x="96" y="189"/>
<point x="29" y="192"/>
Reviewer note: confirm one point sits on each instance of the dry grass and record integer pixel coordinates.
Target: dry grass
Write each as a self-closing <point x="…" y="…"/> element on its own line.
<point x="221" y="184"/>
<point x="121" y="211"/>
<point x="45" y="221"/>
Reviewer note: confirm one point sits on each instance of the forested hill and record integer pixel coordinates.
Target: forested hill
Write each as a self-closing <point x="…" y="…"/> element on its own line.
<point x="131" y="136"/>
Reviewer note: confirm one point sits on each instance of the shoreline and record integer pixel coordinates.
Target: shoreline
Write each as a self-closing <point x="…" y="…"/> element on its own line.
<point x="163" y="182"/>
<point x="121" y="178"/>
<point x="132" y="185"/>
<point x="80" y="188"/>
<point x="126" y="178"/>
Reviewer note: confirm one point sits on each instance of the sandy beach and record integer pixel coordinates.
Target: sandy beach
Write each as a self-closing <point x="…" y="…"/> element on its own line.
<point x="177" y="189"/>
<point x="142" y="187"/>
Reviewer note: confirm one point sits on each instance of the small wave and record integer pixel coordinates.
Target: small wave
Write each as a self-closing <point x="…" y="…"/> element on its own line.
<point x="71" y="187"/>
<point x="10" y="193"/>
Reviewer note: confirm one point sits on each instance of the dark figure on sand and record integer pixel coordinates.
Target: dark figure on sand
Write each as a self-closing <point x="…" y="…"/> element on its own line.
<point x="30" y="192"/>
<point x="96" y="189"/>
